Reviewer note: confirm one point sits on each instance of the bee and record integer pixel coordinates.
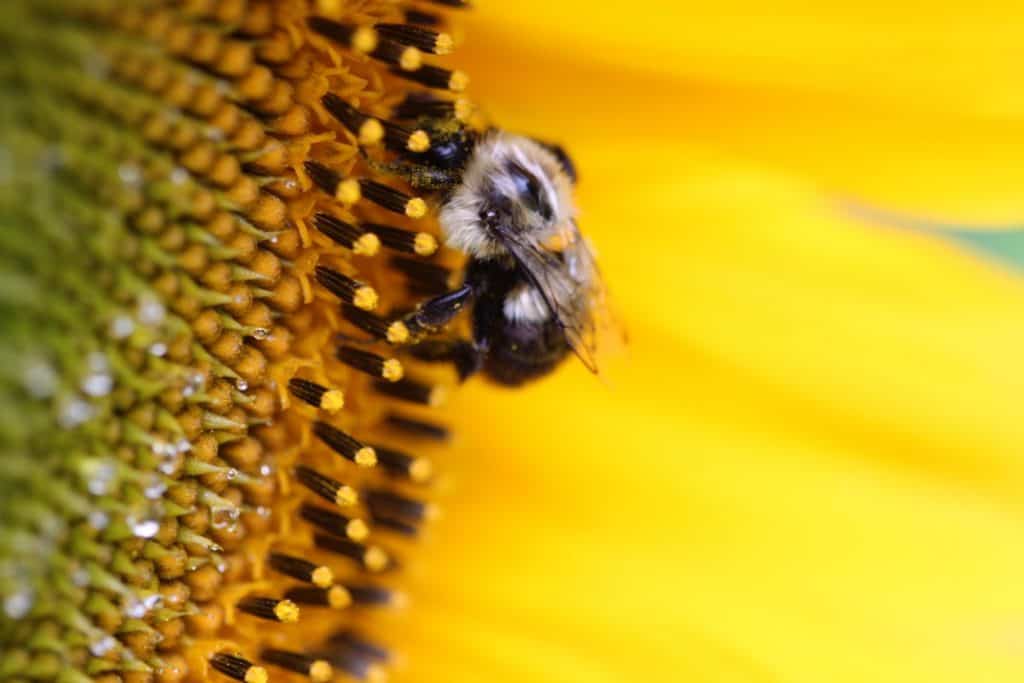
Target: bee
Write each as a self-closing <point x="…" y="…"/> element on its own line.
<point x="531" y="280"/>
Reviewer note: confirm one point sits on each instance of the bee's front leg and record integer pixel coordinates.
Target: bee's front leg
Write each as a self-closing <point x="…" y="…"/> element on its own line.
<point x="431" y="316"/>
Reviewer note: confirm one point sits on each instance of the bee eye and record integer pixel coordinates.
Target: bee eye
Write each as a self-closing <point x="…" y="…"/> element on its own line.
<point x="529" y="190"/>
<point x="489" y="217"/>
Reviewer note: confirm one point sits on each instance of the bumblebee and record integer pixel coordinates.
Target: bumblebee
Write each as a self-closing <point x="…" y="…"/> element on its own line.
<point x="505" y="200"/>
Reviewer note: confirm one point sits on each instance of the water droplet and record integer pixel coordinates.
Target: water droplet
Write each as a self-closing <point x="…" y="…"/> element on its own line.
<point x="74" y="412"/>
<point x="39" y="379"/>
<point x="260" y="333"/>
<point x="100" y="477"/>
<point x="242" y="385"/>
<point x="155" y="489"/>
<point x="151" y="311"/>
<point x="102" y="646"/>
<point x="98" y="520"/>
<point x="80" y="577"/>
<point x="146" y="528"/>
<point x="183" y="445"/>
<point x="121" y="327"/>
<point x="18" y="604"/>
<point x="97" y="385"/>
<point x="158" y="349"/>
<point x="179" y="176"/>
<point x="130" y="174"/>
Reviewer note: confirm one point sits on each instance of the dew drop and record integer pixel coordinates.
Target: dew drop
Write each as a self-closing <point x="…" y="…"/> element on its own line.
<point x="18" y="604"/>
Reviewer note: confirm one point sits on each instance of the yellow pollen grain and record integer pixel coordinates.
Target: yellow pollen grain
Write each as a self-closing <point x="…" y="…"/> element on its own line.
<point x="366" y="245"/>
<point x="398" y="333"/>
<point x="338" y="597"/>
<point x="322" y="577"/>
<point x="458" y="82"/>
<point x="416" y="208"/>
<point x="375" y="559"/>
<point x="392" y="370"/>
<point x="425" y="244"/>
<point x="348" y="191"/>
<point x="419" y="141"/>
<point x="256" y="674"/>
<point x="320" y="671"/>
<point x="286" y="612"/>
<point x="421" y="469"/>
<point x="365" y="298"/>
<point x="357" y="530"/>
<point x="332" y="401"/>
<point x="410" y="59"/>
<point x="366" y="457"/>
<point x="364" y="39"/>
<point x="346" y="497"/>
<point x="444" y="44"/>
<point x="371" y="132"/>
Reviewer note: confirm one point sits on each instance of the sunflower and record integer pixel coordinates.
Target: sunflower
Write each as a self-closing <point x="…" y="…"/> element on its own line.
<point x="806" y="469"/>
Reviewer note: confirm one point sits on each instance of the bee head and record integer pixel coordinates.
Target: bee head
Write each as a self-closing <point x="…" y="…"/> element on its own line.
<point x="512" y="188"/>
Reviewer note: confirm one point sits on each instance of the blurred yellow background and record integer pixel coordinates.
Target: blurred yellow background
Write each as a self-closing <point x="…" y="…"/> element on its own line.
<point x="809" y="467"/>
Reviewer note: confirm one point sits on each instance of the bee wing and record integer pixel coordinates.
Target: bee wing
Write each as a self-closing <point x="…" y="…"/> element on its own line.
<point x="570" y="285"/>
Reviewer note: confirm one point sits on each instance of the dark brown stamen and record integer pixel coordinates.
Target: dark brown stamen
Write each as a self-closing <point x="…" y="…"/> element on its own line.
<point x="335" y="597"/>
<point x="272" y="609"/>
<point x="347" y="235"/>
<point x="351" y="641"/>
<point x="323" y="177"/>
<point x="406" y="241"/>
<point x="371" y="557"/>
<point x="412" y="391"/>
<point x="345" y="288"/>
<point x="370" y="595"/>
<point x="417" y="36"/>
<point x="316" y="668"/>
<point x="435" y="77"/>
<point x="359" y="38"/>
<point x="426" y="104"/>
<point x="316" y="395"/>
<point x="367" y="129"/>
<point x="403" y="465"/>
<point x="301" y="569"/>
<point x="394" y="331"/>
<point x="334" y="523"/>
<point x="325" y="487"/>
<point x="407" y="59"/>
<point x="389" y="369"/>
<point x="344" y="445"/>
<point x="416" y="427"/>
<point x="392" y="505"/>
<point x="238" y="668"/>
<point x="392" y="200"/>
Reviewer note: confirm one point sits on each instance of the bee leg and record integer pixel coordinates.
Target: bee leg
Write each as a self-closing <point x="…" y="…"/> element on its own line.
<point x="432" y="315"/>
<point x="466" y="356"/>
